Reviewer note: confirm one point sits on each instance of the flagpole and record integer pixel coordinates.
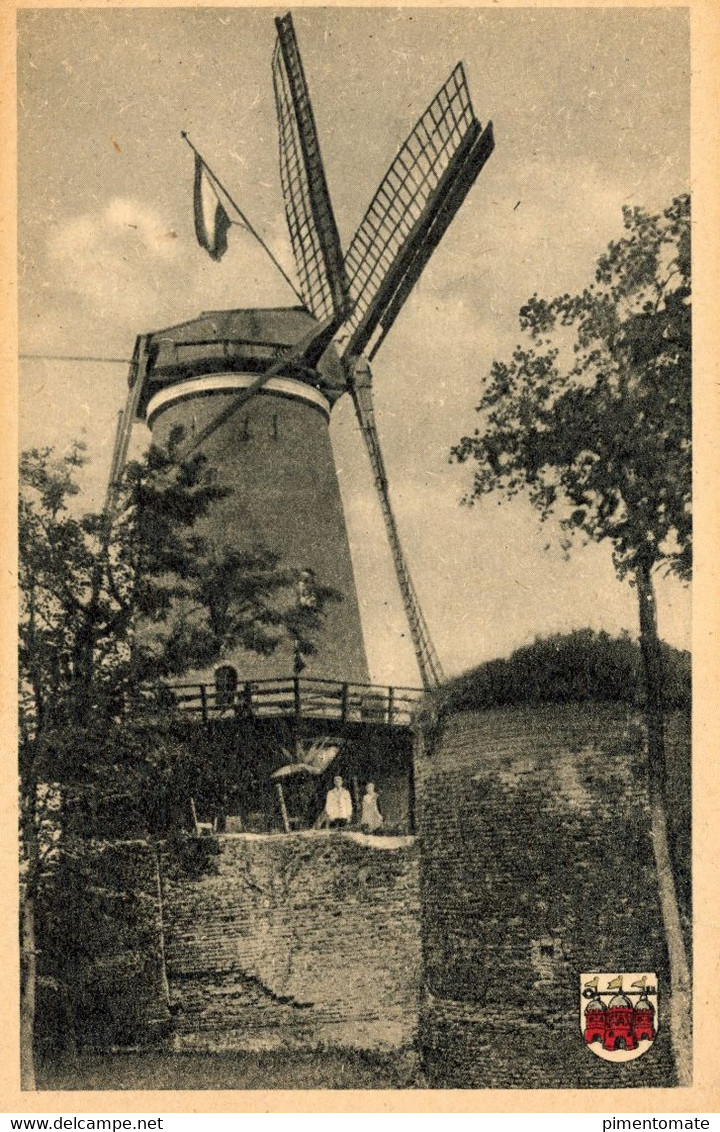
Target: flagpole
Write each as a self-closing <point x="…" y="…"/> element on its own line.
<point x="244" y="218"/>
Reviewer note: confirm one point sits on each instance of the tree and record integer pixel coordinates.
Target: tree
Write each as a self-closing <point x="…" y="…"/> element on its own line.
<point x="108" y="602"/>
<point x="591" y="417"/>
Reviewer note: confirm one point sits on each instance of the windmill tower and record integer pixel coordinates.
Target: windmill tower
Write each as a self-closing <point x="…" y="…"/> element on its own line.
<point x="254" y="389"/>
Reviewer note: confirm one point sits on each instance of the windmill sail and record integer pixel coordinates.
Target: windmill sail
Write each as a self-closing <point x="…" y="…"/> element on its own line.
<point x="138" y="367"/>
<point x="417" y="200"/>
<point x="313" y="231"/>
<point x="425" y="654"/>
<point x="410" y="212"/>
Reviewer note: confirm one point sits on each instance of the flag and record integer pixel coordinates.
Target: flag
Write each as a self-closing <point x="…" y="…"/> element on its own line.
<point x="211" y="219"/>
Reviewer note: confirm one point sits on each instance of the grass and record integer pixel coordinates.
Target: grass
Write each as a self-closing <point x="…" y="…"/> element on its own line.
<point x="277" y="1069"/>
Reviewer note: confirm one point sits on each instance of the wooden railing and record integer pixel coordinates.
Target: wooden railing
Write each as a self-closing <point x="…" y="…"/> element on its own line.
<point x="168" y="355"/>
<point x="307" y="697"/>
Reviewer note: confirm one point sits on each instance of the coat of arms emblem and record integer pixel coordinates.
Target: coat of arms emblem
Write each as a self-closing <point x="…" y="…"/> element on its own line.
<point x="619" y="1013"/>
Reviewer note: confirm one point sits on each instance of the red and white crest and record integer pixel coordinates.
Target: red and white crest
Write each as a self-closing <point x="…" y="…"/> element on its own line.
<point x="619" y="1013"/>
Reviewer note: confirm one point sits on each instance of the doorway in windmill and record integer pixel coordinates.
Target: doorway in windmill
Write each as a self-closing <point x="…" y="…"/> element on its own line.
<point x="226" y="681"/>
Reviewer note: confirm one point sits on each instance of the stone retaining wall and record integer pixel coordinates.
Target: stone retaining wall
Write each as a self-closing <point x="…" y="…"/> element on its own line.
<point x="303" y="940"/>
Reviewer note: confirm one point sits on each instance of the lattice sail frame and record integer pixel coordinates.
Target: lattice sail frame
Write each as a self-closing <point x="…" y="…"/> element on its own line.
<point x="313" y="231"/>
<point x="411" y="210"/>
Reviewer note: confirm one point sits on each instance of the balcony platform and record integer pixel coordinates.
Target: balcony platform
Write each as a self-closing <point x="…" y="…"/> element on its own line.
<point x="297" y="699"/>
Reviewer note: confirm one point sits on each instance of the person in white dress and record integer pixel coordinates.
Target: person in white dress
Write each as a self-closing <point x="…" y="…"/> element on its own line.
<point x="371" y="819"/>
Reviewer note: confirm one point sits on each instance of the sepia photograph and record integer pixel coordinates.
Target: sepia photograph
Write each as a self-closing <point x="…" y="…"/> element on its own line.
<point x="355" y="548"/>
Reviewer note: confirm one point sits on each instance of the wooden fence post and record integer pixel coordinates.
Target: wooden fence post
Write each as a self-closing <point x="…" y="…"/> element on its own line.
<point x="246" y="702"/>
<point x="203" y="703"/>
<point x="344" y="703"/>
<point x="296" y="697"/>
<point x="283" y="807"/>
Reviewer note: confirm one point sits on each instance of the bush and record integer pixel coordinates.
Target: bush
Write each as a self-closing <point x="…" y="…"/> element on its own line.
<point x="567" y="668"/>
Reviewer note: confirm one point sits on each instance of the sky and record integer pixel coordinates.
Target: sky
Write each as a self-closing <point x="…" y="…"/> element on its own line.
<point x="590" y="109"/>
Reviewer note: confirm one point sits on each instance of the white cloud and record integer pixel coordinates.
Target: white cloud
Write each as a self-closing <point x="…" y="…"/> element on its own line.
<point x="123" y="228"/>
<point x="130" y="265"/>
<point x="117" y="258"/>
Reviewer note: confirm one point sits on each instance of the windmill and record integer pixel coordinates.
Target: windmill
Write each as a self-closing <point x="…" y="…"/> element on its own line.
<point x="255" y="388"/>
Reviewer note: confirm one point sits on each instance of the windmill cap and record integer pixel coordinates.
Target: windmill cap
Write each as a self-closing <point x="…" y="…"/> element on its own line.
<point x="218" y="339"/>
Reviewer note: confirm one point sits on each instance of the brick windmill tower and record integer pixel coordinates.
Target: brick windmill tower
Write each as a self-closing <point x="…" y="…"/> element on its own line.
<point x="255" y="389"/>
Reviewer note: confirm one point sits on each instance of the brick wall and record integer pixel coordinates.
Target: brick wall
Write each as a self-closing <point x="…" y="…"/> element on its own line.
<point x="297" y="940"/>
<point x="536" y="865"/>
